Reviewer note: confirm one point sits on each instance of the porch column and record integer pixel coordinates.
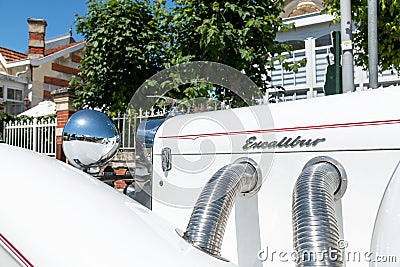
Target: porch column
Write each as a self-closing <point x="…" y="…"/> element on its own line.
<point x="310" y="67"/>
<point x="63" y="98"/>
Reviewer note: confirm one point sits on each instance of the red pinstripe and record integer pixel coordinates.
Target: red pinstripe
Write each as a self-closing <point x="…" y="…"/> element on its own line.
<point x="15" y="251"/>
<point x="291" y="129"/>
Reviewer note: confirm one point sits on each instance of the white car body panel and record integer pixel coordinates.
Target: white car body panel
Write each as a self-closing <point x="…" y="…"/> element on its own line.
<point x="55" y="215"/>
<point x="361" y="131"/>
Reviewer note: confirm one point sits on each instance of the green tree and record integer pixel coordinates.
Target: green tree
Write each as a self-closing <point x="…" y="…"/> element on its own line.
<point x="121" y="52"/>
<point x="388" y="31"/>
<point x="240" y="34"/>
<point x="129" y="41"/>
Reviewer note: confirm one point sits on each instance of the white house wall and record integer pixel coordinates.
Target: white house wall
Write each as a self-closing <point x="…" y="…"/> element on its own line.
<point x="308" y="28"/>
<point x="46" y="79"/>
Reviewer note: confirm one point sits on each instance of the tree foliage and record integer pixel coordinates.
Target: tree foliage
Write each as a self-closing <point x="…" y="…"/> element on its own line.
<point x="129" y="41"/>
<point x="388" y="31"/>
<point x="121" y="52"/>
<point x="240" y="34"/>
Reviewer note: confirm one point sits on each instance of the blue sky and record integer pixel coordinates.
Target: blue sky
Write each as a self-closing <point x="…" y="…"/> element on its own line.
<point x="59" y="15"/>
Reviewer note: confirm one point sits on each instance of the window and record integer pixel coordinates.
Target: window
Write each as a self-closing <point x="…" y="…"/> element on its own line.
<point x="14" y="94"/>
<point x="1" y="92"/>
<point x="296" y="44"/>
<point x="14" y="108"/>
<point x="323" y="41"/>
<point x="14" y="100"/>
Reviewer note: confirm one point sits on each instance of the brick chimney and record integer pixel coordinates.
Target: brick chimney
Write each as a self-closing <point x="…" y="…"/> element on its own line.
<point x="37" y="31"/>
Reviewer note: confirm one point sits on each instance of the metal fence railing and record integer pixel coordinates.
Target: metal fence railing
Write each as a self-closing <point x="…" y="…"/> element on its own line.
<point x="127" y="124"/>
<point x="33" y="135"/>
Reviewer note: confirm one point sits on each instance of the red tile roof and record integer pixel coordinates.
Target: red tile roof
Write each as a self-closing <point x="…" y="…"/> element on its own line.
<point x="11" y="55"/>
<point x="51" y="51"/>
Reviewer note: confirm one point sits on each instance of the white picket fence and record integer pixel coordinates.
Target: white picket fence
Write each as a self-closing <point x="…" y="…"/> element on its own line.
<point x="33" y="135"/>
<point x="41" y="136"/>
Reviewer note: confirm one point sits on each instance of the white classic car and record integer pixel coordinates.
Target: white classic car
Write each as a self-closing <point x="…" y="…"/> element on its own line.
<point x="306" y="183"/>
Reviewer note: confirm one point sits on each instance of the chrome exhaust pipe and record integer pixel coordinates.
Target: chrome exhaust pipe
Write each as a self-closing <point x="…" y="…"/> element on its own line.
<point x="315" y="228"/>
<point x="210" y="214"/>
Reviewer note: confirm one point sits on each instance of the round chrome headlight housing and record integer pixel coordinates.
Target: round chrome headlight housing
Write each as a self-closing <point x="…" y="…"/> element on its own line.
<point x="90" y="139"/>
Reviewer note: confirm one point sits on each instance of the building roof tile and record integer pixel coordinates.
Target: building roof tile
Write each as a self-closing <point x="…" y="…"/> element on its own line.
<point x="11" y="55"/>
<point x="51" y="51"/>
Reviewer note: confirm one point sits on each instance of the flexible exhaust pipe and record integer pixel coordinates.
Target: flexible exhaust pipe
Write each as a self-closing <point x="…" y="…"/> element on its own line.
<point x="315" y="228"/>
<point x="210" y="214"/>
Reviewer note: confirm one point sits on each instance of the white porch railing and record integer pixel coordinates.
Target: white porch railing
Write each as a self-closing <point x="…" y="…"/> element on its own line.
<point x="320" y="65"/>
<point x="33" y="135"/>
<point x="312" y="76"/>
<point x="309" y="77"/>
<point x="287" y="78"/>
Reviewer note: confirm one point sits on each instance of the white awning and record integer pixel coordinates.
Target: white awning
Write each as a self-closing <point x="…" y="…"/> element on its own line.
<point x="44" y="108"/>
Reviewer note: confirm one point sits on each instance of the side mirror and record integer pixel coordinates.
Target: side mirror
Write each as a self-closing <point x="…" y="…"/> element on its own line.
<point x="90" y="139"/>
